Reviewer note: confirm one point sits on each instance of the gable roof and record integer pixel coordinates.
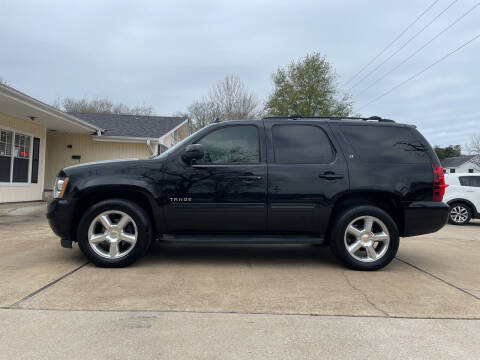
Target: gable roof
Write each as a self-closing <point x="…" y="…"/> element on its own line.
<point x="137" y="126"/>
<point x="456" y="161"/>
<point x="22" y="106"/>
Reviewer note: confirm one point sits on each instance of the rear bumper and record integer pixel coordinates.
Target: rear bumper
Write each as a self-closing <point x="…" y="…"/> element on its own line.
<point x="60" y="215"/>
<point x="424" y="217"/>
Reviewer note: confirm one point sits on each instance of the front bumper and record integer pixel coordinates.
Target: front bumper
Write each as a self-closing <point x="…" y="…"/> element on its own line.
<point x="60" y="216"/>
<point x="424" y="217"/>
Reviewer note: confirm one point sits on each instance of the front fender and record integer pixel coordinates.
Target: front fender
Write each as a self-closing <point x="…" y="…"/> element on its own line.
<point x="148" y="187"/>
<point x="145" y="192"/>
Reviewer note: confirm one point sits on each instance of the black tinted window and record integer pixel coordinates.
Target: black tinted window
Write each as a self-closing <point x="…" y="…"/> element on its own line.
<point x="303" y="144"/>
<point x="470" y="181"/>
<point x="232" y="144"/>
<point x="385" y="144"/>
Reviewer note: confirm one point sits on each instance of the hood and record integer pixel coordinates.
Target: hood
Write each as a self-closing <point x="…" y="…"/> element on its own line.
<point x="107" y="174"/>
<point x="120" y="166"/>
<point x="99" y="163"/>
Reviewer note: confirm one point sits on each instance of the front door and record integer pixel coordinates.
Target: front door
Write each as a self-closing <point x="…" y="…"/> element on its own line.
<point x="307" y="173"/>
<point x="226" y="190"/>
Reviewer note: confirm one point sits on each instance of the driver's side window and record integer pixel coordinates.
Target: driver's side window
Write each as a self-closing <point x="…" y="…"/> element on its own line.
<point x="231" y="144"/>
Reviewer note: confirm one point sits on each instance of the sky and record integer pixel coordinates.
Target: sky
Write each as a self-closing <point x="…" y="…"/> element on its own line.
<point x="168" y="54"/>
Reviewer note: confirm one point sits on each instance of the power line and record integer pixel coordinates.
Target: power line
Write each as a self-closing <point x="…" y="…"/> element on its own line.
<point x="418" y="50"/>
<point x="420" y="72"/>
<point x="405" y="44"/>
<point x="392" y="42"/>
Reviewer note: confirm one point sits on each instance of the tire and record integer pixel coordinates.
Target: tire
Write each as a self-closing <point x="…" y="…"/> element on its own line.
<point x="114" y="233"/>
<point x="459" y="214"/>
<point x="369" y="250"/>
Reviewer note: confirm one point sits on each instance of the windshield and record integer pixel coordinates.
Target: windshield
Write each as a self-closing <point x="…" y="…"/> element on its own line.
<point x="174" y="147"/>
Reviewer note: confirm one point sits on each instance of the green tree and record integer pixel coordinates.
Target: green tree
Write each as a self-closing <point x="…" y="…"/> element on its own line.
<point x="307" y="87"/>
<point x="449" y="151"/>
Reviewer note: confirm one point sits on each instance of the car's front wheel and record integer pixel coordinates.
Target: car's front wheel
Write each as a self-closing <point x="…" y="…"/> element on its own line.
<point x="365" y="238"/>
<point x="114" y="233"/>
<point x="460" y="214"/>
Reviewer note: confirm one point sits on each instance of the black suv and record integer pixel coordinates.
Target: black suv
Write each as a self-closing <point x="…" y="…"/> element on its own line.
<point x="357" y="184"/>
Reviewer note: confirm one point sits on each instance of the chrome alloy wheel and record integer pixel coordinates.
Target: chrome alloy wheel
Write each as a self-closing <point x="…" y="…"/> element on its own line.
<point x="112" y="234"/>
<point x="367" y="238"/>
<point x="459" y="214"/>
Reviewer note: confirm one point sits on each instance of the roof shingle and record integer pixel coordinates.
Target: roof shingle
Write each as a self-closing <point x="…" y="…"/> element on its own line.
<point x="456" y="161"/>
<point x="131" y="125"/>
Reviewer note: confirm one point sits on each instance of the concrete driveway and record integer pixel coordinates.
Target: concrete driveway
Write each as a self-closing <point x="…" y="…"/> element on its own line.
<point x="229" y="302"/>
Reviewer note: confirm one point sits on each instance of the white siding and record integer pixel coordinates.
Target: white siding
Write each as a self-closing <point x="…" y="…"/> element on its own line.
<point x="24" y="192"/>
<point x="464" y="168"/>
<point x="59" y="155"/>
<point x="55" y="155"/>
<point x="177" y="136"/>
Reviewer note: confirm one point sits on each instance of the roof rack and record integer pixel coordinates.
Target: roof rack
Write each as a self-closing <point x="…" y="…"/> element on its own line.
<point x="298" y="116"/>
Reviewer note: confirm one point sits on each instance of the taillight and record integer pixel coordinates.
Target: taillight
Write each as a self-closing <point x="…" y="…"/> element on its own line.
<point x="438" y="183"/>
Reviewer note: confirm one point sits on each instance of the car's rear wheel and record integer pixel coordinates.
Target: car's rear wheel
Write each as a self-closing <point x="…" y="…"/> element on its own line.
<point x="365" y="238"/>
<point x="114" y="233"/>
<point x="460" y="214"/>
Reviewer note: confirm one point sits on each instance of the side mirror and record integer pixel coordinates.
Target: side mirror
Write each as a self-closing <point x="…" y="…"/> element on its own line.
<point x="192" y="152"/>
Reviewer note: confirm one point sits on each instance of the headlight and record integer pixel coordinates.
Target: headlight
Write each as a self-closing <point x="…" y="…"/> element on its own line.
<point x="59" y="188"/>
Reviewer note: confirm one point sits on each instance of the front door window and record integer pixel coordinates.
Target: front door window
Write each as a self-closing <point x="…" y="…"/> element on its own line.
<point x="231" y="145"/>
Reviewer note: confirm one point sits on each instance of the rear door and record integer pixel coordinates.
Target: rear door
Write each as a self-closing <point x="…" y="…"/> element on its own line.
<point x="306" y="173"/>
<point x="471" y="185"/>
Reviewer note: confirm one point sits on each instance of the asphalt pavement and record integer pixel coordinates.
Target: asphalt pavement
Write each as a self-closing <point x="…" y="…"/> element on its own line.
<point x="236" y="301"/>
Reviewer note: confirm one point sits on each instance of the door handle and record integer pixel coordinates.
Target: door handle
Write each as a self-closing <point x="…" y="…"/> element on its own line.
<point x="250" y="178"/>
<point x="330" y="176"/>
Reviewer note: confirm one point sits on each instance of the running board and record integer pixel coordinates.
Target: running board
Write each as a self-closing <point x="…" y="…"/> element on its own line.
<point x="241" y="239"/>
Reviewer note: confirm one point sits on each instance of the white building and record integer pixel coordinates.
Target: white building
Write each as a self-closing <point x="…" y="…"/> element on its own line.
<point x="37" y="140"/>
<point x="462" y="164"/>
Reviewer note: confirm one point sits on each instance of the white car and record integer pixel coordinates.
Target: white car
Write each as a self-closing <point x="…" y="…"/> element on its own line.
<point x="463" y="197"/>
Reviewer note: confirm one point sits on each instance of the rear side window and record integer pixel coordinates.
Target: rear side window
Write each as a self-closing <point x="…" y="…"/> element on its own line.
<point x="470" y="181"/>
<point x="301" y="144"/>
<point x="385" y="144"/>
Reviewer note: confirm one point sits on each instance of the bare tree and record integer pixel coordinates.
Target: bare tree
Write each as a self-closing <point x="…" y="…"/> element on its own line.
<point x="227" y="100"/>
<point x="202" y="113"/>
<point x="474" y="148"/>
<point x="3" y="81"/>
<point x="233" y="100"/>
<point x="100" y="106"/>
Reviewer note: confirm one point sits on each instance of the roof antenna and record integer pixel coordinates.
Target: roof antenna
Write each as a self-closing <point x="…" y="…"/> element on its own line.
<point x="295" y="116"/>
<point x="217" y="120"/>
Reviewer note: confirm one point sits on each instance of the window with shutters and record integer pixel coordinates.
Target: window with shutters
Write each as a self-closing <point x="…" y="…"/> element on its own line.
<point x="15" y="157"/>
<point x="5" y="155"/>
